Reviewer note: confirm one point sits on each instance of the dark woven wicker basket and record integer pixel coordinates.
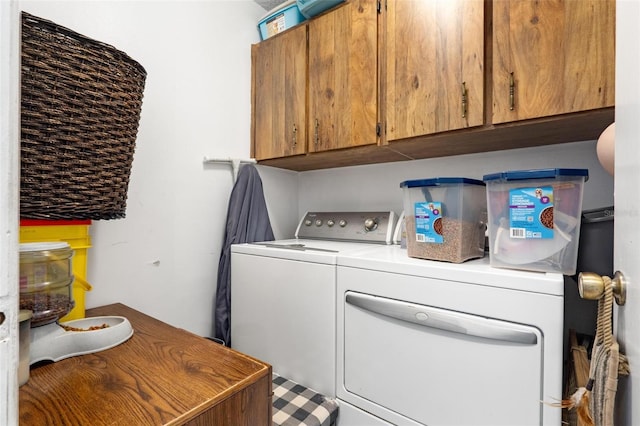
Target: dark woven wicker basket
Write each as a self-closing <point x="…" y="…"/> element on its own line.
<point x="81" y="102"/>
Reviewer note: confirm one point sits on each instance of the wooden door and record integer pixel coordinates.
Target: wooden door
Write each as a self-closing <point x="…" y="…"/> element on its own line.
<point x="343" y="77"/>
<point x="279" y="95"/>
<point x="552" y="57"/>
<point x="434" y="67"/>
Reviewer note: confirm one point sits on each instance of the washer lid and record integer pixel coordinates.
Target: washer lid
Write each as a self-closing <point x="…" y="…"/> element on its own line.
<point x="305" y="250"/>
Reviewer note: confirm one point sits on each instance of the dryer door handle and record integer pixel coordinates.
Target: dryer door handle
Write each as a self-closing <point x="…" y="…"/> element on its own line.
<point x="455" y="322"/>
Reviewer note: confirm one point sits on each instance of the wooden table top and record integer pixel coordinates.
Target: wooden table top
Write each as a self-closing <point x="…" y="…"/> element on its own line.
<point x="161" y="375"/>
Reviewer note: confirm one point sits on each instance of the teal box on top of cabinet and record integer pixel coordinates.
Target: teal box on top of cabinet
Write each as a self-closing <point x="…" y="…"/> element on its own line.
<point x="311" y="8"/>
<point x="281" y="18"/>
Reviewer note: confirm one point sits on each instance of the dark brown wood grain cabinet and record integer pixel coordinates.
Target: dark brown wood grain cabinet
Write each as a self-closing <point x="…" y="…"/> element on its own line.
<point x="162" y="375"/>
<point x="343" y="97"/>
<point x="280" y="95"/>
<point x="315" y="85"/>
<point x="552" y="57"/>
<point x="434" y="66"/>
<point x="397" y="80"/>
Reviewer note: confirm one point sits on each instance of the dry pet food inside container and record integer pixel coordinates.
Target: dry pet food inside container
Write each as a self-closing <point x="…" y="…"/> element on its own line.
<point x="445" y="218"/>
<point x="45" y="281"/>
<point x="534" y="218"/>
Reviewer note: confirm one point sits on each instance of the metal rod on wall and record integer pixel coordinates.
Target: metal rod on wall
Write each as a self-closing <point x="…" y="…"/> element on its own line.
<point x="234" y="162"/>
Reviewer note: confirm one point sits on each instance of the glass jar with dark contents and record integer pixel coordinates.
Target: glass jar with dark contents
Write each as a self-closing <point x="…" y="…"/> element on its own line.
<point x="45" y="281"/>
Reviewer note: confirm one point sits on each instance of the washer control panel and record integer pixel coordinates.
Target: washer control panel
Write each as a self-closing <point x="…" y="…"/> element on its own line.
<point x="373" y="227"/>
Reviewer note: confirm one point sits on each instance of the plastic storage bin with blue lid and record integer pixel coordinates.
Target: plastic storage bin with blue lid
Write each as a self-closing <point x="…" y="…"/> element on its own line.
<point x="311" y="8"/>
<point x="534" y="218"/>
<point x="535" y="174"/>
<point x="445" y="218"/>
<point x="279" y="19"/>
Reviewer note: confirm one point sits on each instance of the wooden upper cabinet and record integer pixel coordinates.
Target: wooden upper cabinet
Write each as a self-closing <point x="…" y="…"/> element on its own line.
<point x="552" y="57"/>
<point x="342" y="77"/>
<point x="279" y="95"/>
<point x="434" y="66"/>
<point x="432" y="78"/>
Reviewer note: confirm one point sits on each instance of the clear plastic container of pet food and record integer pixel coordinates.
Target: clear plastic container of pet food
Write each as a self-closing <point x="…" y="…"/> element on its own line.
<point x="534" y="218"/>
<point x="445" y="218"/>
<point x="46" y="276"/>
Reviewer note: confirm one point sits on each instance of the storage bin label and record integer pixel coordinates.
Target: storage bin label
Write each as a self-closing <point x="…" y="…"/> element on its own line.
<point x="531" y="212"/>
<point x="276" y="25"/>
<point x="429" y="222"/>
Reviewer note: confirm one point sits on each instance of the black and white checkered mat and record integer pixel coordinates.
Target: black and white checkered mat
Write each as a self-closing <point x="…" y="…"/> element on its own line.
<point x="296" y="405"/>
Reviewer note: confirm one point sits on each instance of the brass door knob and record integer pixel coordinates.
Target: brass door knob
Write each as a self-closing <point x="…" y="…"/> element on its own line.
<point x="591" y="286"/>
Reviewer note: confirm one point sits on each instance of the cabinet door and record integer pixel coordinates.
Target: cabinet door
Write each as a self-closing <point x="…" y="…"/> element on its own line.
<point x="434" y="72"/>
<point x="343" y="77"/>
<point x="552" y="57"/>
<point x="279" y="95"/>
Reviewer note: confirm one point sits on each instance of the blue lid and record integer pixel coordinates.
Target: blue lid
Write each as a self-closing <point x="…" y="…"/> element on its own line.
<point x="536" y="174"/>
<point x="440" y="181"/>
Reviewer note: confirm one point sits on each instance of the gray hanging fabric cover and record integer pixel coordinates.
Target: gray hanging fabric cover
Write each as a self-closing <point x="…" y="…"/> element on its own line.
<point x="247" y="222"/>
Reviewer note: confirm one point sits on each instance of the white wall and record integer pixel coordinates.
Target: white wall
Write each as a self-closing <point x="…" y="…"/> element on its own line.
<point x="377" y="187"/>
<point x="162" y="258"/>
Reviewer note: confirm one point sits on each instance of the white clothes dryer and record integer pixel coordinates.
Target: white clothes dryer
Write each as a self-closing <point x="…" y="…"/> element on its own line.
<point x="424" y="342"/>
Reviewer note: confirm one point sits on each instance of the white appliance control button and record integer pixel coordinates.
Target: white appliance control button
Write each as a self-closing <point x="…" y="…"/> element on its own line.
<point x="342" y="223"/>
<point x="308" y="222"/>
<point x="422" y="316"/>
<point x="318" y="222"/>
<point x="370" y="224"/>
<point x="331" y="222"/>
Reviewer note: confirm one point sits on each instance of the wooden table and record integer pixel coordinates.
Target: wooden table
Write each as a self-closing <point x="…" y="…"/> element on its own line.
<point x="162" y="375"/>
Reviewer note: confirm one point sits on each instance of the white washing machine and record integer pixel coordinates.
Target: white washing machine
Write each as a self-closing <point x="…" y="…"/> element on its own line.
<point x="422" y="342"/>
<point x="283" y="293"/>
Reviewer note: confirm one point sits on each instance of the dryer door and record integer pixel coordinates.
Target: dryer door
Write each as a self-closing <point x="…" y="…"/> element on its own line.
<point x="441" y="367"/>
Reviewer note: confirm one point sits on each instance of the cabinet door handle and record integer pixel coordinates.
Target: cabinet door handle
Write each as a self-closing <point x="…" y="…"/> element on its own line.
<point x="316" y="135"/>
<point x="464" y="100"/>
<point x="295" y="135"/>
<point x="512" y="90"/>
<point x="442" y="319"/>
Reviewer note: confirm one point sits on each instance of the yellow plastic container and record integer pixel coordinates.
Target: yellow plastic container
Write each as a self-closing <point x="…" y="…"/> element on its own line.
<point x="76" y="234"/>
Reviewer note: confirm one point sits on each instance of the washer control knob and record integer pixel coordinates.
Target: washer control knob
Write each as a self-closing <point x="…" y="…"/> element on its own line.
<point x="342" y="223"/>
<point x="331" y="222"/>
<point x="318" y="222"/>
<point x="307" y="222"/>
<point x="370" y="224"/>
